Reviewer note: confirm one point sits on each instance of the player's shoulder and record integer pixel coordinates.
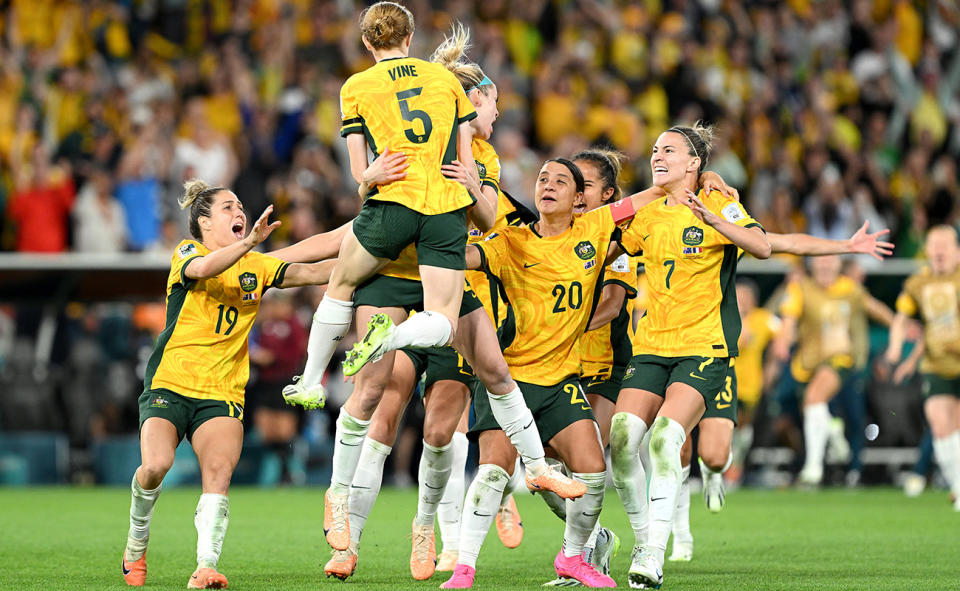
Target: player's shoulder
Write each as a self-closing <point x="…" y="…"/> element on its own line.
<point x="188" y="248"/>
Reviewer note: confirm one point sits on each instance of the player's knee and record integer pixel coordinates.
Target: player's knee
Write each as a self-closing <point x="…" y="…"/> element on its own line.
<point x="714" y="458"/>
<point x="623" y="444"/>
<point x="436" y="435"/>
<point x="152" y="470"/>
<point x="665" y="441"/>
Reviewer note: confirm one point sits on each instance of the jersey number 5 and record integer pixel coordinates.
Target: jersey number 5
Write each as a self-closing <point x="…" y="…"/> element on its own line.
<point x="412" y="115"/>
<point x="230" y="315"/>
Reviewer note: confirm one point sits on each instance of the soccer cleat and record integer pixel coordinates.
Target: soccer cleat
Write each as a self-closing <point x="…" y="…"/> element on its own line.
<point x="342" y="564"/>
<point x="372" y="347"/>
<point x="462" y="578"/>
<point x="509" y="526"/>
<point x="608" y="546"/>
<point x="646" y="572"/>
<point x="423" y="555"/>
<point x="299" y="394"/>
<point x="207" y="578"/>
<point x="563" y="582"/>
<point x="682" y="550"/>
<point x="810" y="477"/>
<point x="134" y="573"/>
<point x="447" y="561"/>
<point x="713" y="488"/>
<point x="556" y="482"/>
<point x="575" y="567"/>
<point x="914" y="484"/>
<point x="838" y="448"/>
<point x="336" y="522"/>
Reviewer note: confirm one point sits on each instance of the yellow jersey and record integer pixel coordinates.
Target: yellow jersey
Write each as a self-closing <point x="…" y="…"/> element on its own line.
<point x="610" y="345"/>
<point x="934" y="298"/>
<point x="488" y="165"/>
<point x="550" y="285"/>
<point x="202" y="351"/>
<point x="759" y="328"/>
<point x="416" y="107"/>
<point x="691" y="270"/>
<point x="831" y="325"/>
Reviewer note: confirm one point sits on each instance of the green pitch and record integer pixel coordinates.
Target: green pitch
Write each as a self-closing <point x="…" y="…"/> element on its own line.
<point x="72" y="539"/>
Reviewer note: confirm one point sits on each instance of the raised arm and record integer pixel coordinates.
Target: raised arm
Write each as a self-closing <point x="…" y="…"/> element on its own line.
<point x="484" y="212"/>
<point x="877" y="310"/>
<point x="807" y="245"/>
<point x="315" y="248"/>
<point x="474" y="260"/>
<point x="898" y="331"/>
<point x="299" y="274"/>
<point x="751" y="240"/>
<point x="222" y="259"/>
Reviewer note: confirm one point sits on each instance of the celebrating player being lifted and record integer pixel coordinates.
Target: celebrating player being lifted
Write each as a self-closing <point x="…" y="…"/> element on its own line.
<point x="196" y="375"/>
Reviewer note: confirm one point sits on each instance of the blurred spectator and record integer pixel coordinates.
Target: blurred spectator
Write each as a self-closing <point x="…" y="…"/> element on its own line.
<point x="99" y="222"/>
<point x="42" y="198"/>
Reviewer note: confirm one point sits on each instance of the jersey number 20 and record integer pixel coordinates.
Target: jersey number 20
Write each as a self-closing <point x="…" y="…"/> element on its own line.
<point x="412" y="115"/>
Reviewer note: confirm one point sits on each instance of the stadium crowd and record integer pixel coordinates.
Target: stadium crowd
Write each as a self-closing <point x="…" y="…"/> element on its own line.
<point x="830" y="113"/>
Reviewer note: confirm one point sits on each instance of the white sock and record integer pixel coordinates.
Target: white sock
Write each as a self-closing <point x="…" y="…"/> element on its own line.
<point x="947" y="452"/>
<point x="583" y="513"/>
<point x="479" y="510"/>
<point x="347" y="446"/>
<point x="816" y="431"/>
<point x="331" y="322"/>
<point x="742" y="440"/>
<point x="516" y="420"/>
<point x="366" y="485"/>
<point x="626" y="434"/>
<point x="211" y="519"/>
<point x="141" y="511"/>
<point x="553" y="501"/>
<point x="434" y="472"/>
<point x="422" y="330"/>
<point x="681" y="514"/>
<point x="451" y="504"/>
<point x="666" y="439"/>
<point x="517" y="481"/>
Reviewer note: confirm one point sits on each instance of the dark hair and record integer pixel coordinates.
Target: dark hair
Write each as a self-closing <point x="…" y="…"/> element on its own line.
<point x="700" y="139"/>
<point x="574" y="170"/>
<point x="608" y="162"/>
<point x="751" y="285"/>
<point x="386" y="24"/>
<point x="198" y="196"/>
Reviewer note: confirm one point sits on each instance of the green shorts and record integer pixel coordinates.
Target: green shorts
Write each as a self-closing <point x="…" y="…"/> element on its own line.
<point x="844" y="373"/>
<point x="933" y="384"/>
<point x="604" y="384"/>
<point x="385" y="228"/>
<point x="392" y="292"/>
<point x="653" y="373"/>
<point x="440" y="363"/>
<point x="184" y="412"/>
<point x="554" y="408"/>
<point x="724" y="403"/>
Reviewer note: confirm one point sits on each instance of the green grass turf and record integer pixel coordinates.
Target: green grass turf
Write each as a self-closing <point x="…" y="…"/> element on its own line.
<point x="72" y="538"/>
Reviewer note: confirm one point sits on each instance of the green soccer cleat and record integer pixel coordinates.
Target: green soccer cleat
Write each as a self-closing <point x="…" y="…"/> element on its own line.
<point x="372" y="347"/>
<point x="299" y="394"/>
<point x="608" y="546"/>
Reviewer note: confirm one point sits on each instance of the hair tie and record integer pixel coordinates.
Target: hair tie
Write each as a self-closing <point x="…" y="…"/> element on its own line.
<point x="485" y="82"/>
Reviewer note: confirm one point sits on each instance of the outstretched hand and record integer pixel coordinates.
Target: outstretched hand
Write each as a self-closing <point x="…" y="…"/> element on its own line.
<point x="262" y="228"/>
<point x="862" y="242"/>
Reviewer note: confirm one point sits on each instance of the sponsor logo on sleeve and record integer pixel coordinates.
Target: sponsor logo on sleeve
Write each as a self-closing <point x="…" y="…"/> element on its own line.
<point x="186" y="250"/>
<point x="621" y="264"/>
<point x="732" y="213"/>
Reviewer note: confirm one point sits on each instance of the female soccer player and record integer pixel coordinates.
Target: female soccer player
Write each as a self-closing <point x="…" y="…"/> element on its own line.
<point x="549" y="272"/>
<point x="447" y="376"/>
<point x="688" y="336"/>
<point x="827" y="316"/>
<point x="932" y="294"/>
<point x="195" y="377"/>
<point x="421" y="110"/>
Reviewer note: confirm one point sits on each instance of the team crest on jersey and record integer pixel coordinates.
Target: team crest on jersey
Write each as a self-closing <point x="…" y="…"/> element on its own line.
<point x="248" y="281"/>
<point x="629" y="373"/>
<point x="692" y="236"/>
<point x="481" y="170"/>
<point x="159" y="402"/>
<point x="585" y="250"/>
<point x="187" y="250"/>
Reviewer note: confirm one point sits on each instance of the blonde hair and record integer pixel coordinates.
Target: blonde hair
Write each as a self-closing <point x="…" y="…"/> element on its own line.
<point x="451" y="54"/>
<point x="386" y="24"/>
<point x="199" y="197"/>
<point x="608" y="162"/>
<point x="700" y="139"/>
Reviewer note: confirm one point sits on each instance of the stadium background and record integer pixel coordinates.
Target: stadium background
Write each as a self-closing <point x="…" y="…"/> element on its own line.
<point x="830" y="113"/>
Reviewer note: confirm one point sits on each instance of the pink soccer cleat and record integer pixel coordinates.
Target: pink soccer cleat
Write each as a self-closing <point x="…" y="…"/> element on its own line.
<point x="462" y="578"/>
<point x="575" y="567"/>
